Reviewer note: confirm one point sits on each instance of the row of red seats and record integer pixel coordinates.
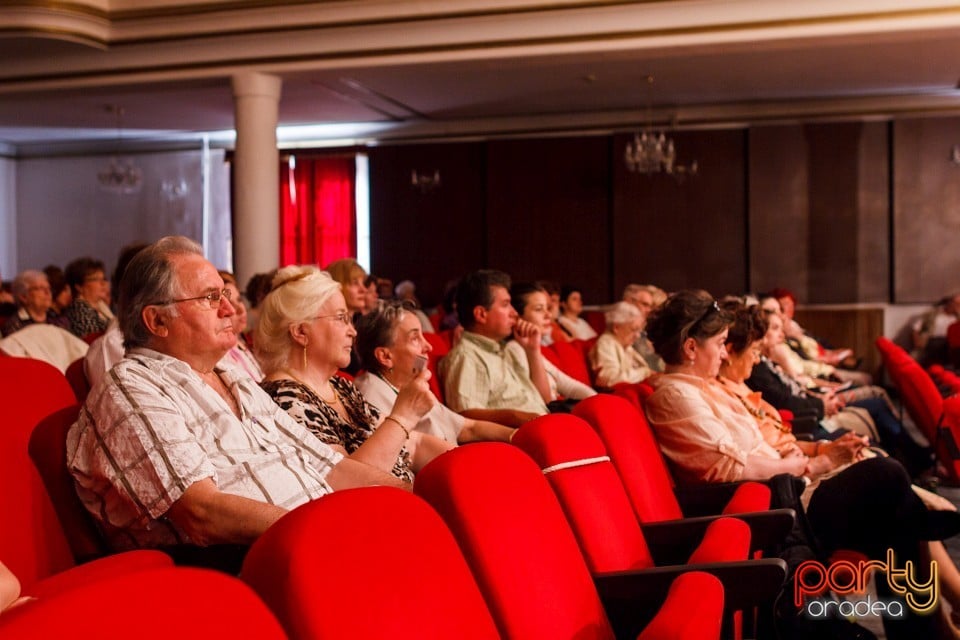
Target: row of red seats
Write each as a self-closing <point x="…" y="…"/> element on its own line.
<point x="937" y="418"/>
<point x="37" y="550"/>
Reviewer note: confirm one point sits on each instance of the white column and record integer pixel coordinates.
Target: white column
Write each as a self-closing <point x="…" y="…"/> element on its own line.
<point x="256" y="205"/>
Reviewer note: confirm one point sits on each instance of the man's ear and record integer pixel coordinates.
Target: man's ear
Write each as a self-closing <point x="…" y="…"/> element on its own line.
<point x="384" y="356"/>
<point x="479" y="314"/>
<point x="155" y="320"/>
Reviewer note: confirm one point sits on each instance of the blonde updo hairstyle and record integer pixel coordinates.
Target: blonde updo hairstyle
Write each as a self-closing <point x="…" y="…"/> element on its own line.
<point x="296" y="296"/>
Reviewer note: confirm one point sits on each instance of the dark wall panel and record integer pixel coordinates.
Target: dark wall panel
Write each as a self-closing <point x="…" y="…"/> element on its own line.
<point x="548" y="210"/>
<point x="778" y="209"/>
<point x="683" y="234"/>
<point x="432" y="237"/>
<point x="926" y="209"/>
<point x="819" y="212"/>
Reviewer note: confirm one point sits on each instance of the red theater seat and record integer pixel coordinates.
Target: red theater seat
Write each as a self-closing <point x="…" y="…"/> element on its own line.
<point x="36" y="547"/>
<point x="157" y="604"/>
<point x="374" y="562"/>
<point x="527" y="561"/>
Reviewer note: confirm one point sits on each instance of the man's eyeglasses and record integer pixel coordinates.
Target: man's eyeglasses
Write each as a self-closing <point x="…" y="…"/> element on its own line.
<point x="342" y="317"/>
<point x="213" y="299"/>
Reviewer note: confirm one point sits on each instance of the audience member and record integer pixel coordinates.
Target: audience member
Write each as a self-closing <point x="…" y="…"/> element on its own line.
<point x="89" y="313"/>
<point x="531" y="302"/>
<point x="9" y="590"/>
<point x="556" y="333"/>
<point x="240" y="355"/>
<point x="34" y="303"/>
<point x="481" y="378"/>
<point x="571" y="306"/>
<point x="372" y="296"/>
<point x="107" y="350"/>
<point x="642" y="297"/>
<point x="59" y="289"/>
<point x="257" y="288"/>
<point x="613" y="358"/>
<point x="801" y="341"/>
<point x="710" y="436"/>
<point x="407" y="291"/>
<point x="930" y="331"/>
<point x="350" y="275"/>
<point x="170" y="449"/>
<point x="305" y="335"/>
<point x="392" y="349"/>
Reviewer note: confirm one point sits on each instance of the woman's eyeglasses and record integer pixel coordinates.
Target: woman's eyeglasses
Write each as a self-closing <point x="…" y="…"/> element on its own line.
<point x="342" y="317"/>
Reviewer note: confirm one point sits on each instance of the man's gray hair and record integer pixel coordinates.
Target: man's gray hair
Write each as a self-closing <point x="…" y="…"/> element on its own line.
<point x="148" y="279"/>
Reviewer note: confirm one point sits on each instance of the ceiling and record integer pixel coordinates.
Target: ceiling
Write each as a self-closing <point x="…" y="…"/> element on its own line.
<point x="463" y="68"/>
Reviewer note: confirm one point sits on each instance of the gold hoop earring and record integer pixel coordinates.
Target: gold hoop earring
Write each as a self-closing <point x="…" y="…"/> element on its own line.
<point x="305" y="356"/>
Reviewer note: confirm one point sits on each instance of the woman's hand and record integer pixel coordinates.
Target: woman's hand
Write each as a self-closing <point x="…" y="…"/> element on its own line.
<point x="414" y="400"/>
<point x="527" y="335"/>
<point x="845" y="449"/>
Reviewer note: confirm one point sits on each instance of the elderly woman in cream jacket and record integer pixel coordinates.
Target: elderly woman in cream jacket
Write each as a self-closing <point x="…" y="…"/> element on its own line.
<point x="613" y="358"/>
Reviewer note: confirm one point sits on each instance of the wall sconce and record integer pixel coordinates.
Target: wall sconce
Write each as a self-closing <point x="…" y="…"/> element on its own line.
<point x="424" y="181"/>
<point x="955" y="154"/>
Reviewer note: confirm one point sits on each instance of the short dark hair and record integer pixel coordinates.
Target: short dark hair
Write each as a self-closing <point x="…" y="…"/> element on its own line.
<point x="376" y="329"/>
<point x="568" y="289"/>
<point x="80" y="269"/>
<point x="475" y="290"/>
<point x="519" y="293"/>
<point x="749" y="325"/>
<point x="686" y="314"/>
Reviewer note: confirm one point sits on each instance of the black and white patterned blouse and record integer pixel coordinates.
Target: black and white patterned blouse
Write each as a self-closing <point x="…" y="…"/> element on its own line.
<point x="307" y="408"/>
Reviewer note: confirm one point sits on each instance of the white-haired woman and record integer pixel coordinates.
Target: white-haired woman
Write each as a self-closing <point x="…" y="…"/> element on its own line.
<point x="613" y="357"/>
<point x="305" y="335"/>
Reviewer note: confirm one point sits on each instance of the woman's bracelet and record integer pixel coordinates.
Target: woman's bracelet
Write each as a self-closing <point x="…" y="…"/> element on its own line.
<point x="400" y="424"/>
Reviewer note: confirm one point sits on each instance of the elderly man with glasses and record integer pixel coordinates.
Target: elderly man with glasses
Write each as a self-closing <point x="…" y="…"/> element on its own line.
<point x="173" y="450"/>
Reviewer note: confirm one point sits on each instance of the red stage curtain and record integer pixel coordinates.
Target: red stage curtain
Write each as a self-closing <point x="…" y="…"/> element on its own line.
<point x="318" y="210"/>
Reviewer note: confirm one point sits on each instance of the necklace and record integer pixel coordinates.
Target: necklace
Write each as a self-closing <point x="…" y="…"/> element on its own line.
<point x="336" y="396"/>
<point x="758" y="412"/>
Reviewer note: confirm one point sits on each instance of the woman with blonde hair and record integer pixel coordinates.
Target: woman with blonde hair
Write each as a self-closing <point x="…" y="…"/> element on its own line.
<point x="305" y="335"/>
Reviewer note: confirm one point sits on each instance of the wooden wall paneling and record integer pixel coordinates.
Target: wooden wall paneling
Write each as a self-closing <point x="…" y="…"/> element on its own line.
<point x="430" y="238"/>
<point x="926" y="209"/>
<point x="548" y="211"/>
<point x="683" y="234"/>
<point x="875" y="214"/>
<point x="847" y="232"/>
<point x="853" y="327"/>
<point x="778" y="188"/>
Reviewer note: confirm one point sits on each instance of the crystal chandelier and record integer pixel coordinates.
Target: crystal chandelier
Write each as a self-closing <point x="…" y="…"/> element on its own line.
<point x="121" y="176"/>
<point x="651" y="151"/>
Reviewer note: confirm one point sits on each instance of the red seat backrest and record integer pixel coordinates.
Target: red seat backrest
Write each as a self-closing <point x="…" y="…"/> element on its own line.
<point x="48" y="450"/>
<point x="35" y="546"/>
<point x="516" y="540"/>
<point x="333" y="568"/>
<point x="572" y="360"/>
<point x="953" y="335"/>
<point x="158" y="604"/>
<point x="921" y="398"/>
<point x="77" y="378"/>
<point x="440" y="346"/>
<point x="576" y="464"/>
<point x="635" y="454"/>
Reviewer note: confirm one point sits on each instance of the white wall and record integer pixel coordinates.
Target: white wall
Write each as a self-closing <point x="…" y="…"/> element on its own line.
<point x="8" y="218"/>
<point x="62" y="213"/>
